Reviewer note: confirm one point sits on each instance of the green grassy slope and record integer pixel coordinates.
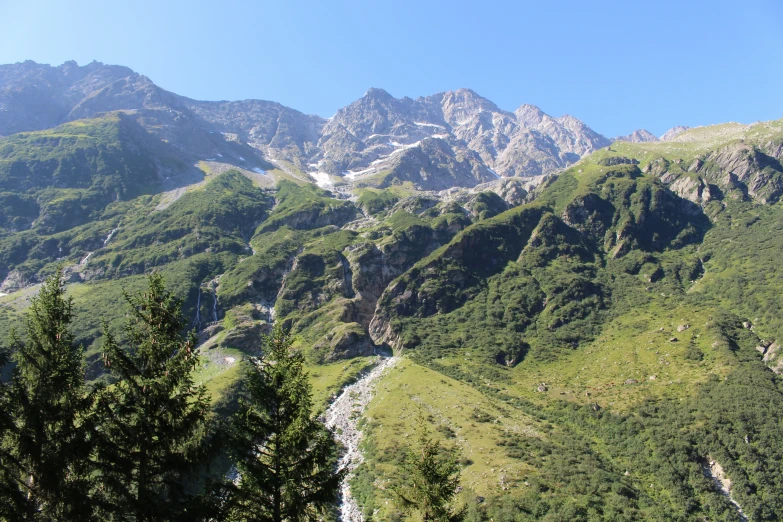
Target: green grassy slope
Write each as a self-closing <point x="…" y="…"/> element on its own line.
<point x="613" y="322"/>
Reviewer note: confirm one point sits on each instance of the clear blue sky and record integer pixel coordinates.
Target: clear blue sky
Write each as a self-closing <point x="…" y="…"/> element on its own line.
<point x="616" y="65"/>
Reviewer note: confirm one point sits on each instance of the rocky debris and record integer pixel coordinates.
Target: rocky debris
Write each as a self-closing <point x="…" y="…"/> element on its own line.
<point x="512" y="190"/>
<point x="763" y="346"/>
<point x="772" y="358"/>
<point x="542" y="387"/>
<point x="673" y="340"/>
<point x="15" y="281"/>
<point x="342" y="417"/>
<point x="631" y="381"/>
<point x="683" y="327"/>
<point x="715" y="471"/>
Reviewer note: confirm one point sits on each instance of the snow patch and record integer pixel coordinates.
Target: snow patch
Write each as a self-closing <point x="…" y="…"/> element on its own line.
<point x="259" y="170"/>
<point x="353" y="174"/>
<point x="230" y="360"/>
<point x="241" y="158"/>
<point x="403" y="147"/>
<point x="322" y="179"/>
<point x="2" y="294"/>
<point x="423" y="124"/>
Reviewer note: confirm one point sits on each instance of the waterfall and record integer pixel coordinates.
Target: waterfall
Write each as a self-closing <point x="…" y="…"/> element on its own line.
<point x="214" y="306"/>
<point x="89" y="254"/>
<point x="198" y="311"/>
<point x="108" y="238"/>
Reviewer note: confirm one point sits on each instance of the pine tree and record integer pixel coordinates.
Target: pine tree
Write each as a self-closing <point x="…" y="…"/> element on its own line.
<point x="286" y="459"/>
<point x="13" y="500"/>
<point x="48" y="441"/>
<point x="431" y="481"/>
<point x="154" y="419"/>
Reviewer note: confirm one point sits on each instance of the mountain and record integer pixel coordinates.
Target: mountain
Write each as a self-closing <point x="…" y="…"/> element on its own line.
<point x="592" y="330"/>
<point x="359" y="145"/>
<point x="362" y="138"/>
<point x="673" y="132"/>
<point x="638" y="136"/>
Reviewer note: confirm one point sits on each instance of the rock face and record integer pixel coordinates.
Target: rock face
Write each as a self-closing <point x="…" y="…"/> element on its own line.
<point x="738" y="170"/>
<point x="265" y="125"/>
<point x="13" y="281"/>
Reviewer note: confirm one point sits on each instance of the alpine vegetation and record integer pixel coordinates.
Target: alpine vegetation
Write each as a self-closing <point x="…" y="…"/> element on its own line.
<point x="418" y="309"/>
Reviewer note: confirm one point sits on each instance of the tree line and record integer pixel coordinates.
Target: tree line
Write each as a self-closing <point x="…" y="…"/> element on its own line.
<point x="141" y="448"/>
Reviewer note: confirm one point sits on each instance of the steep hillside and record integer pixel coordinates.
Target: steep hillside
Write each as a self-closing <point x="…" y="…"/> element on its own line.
<point x="625" y="324"/>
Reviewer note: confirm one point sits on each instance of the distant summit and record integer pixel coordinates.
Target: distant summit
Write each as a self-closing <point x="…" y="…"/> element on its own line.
<point x="638" y="136"/>
<point x="674" y="132"/>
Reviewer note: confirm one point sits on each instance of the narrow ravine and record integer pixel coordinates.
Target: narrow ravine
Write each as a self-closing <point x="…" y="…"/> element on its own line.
<point x="715" y="471"/>
<point x="343" y="416"/>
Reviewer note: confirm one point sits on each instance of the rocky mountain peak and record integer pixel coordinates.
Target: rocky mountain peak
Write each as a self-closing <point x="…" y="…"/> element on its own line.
<point x="463" y="104"/>
<point x="571" y="122"/>
<point x="374" y="93"/>
<point x="638" y="136"/>
<point x="674" y="132"/>
<point x="369" y="137"/>
<point x="377" y="112"/>
<point x="529" y="115"/>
